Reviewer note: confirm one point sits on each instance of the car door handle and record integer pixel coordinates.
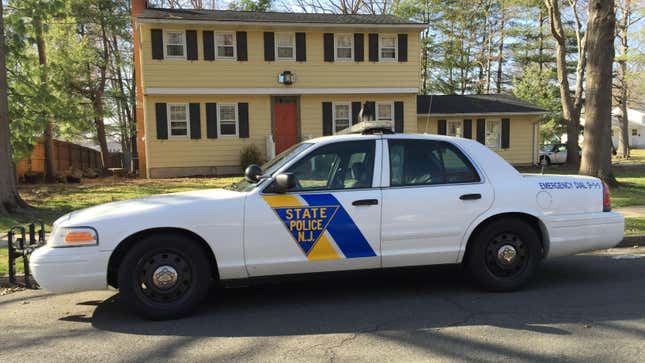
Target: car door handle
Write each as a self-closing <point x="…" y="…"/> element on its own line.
<point x="365" y="202"/>
<point x="471" y="196"/>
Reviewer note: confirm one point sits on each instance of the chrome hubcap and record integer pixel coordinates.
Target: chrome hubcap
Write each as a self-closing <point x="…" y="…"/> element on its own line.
<point x="164" y="277"/>
<point x="506" y="254"/>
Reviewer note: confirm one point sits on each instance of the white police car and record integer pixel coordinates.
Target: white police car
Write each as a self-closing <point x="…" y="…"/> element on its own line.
<point x="356" y="201"/>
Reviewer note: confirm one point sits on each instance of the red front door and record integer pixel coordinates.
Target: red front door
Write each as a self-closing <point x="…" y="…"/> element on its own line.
<point x="286" y="133"/>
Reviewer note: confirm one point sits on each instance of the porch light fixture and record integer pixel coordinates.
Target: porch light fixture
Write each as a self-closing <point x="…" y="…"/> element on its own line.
<point x="286" y="78"/>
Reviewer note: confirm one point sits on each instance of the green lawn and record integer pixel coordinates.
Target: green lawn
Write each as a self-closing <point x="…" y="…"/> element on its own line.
<point x="634" y="226"/>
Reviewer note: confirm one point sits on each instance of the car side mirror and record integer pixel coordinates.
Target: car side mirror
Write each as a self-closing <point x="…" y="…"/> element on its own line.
<point x="284" y="182"/>
<point x="253" y="173"/>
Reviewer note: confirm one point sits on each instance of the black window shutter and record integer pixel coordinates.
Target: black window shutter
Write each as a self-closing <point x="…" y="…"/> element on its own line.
<point x="211" y="120"/>
<point x="468" y="129"/>
<point x="327" y="118"/>
<point x="209" y="45"/>
<point x="329" y="47"/>
<point x="441" y="127"/>
<point x="195" y="121"/>
<point x="269" y="46"/>
<point x="156" y="37"/>
<point x="191" y="44"/>
<point x="162" y="121"/>
<point x="356" y="109"/>
<point x="403" y="47"/>
<point x="301" y="47"/>
<point x="243" y="117"/>
<point x="398" y="116"/>
<point x="481" y="130"/>
<point x="506" y="133"/>
<point x="373" y="38"/>
<point x="359" y="47"/>
<point x="240" y="41"/>
<point x="369" y="112"/>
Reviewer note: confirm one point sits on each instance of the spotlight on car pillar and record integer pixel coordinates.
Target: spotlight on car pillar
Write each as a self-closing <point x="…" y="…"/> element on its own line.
<point x="252" y="173"/>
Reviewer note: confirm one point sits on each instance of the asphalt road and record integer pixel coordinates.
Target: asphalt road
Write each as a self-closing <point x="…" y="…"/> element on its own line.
<point x="584" y="308"/>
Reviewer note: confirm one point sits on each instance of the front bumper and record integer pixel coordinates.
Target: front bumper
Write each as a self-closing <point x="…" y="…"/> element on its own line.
<point x="70" y="269"/>
<point x="574" y="233"/>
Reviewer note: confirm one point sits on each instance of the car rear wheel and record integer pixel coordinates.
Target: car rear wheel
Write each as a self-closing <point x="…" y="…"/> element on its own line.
<point x="504" y="255"/>
<point x="164" y="276"/>
<point x="545" y="160"/>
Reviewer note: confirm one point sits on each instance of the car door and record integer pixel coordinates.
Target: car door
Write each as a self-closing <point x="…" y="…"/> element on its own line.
<point x="330" y="221"/>
<point x="560" y="153"/>
<point x="433" y="193"/>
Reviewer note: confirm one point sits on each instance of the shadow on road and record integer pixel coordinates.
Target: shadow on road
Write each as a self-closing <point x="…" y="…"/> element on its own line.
<point x="586" y="289"/>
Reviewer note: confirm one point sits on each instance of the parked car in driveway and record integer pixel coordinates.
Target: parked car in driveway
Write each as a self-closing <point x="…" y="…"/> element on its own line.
<point x="555" y="154"/>
<point x="364" y="200"/>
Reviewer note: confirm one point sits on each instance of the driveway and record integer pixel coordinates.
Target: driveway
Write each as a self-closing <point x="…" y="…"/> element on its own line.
<point x="583" y="308"/>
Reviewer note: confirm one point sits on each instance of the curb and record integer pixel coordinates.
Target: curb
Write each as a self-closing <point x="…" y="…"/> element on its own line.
<point x="632" y="241"/>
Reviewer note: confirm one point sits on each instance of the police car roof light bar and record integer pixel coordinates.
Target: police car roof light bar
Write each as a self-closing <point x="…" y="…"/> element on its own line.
<point x="369" y="128"/>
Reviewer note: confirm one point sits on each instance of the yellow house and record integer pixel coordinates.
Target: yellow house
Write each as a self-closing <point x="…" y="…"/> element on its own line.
<point x="211" y="82"/>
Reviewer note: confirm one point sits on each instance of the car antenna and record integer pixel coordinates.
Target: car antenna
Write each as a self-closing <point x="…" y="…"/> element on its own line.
<point x="542" y="163"/>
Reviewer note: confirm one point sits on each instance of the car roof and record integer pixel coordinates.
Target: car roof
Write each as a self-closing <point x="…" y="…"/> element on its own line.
<point x="352" y="137"/>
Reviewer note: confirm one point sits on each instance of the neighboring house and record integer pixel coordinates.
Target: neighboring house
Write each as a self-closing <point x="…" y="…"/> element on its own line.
<point x="211" y="82"/>
<point x="504" y="123"/>
<point x="636" y="127"/>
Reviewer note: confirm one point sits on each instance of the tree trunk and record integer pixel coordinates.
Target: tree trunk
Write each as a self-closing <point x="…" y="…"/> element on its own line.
<point x="596" y="156"/>
<point x="48" y="136"/>
<point x="623" y="136"/>
<point x="97" y="102"/>
<point x="9" y="198"/>
<point x="500" y="54"/>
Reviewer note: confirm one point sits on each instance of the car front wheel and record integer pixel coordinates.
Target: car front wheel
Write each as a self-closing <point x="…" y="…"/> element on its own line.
<point x="504" y="255"/>
<point x="164" y="276"/>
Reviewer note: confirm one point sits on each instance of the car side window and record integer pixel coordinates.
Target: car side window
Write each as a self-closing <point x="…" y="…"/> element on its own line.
<point x="342" y="165"/>
<point x="562" y="148"/>
<point x="426" y="162"/>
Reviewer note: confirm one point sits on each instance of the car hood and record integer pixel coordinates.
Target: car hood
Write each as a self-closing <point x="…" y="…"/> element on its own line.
<point x="161" y="205"/>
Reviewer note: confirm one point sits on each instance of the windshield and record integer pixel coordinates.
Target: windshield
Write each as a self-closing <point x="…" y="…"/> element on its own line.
<point x="273" y="165"/>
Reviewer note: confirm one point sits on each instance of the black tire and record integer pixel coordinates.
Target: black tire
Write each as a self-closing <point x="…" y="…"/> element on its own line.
<point x="139" y="285"/>
<point x="487" y="266"/>
<point x="546" y="161"/>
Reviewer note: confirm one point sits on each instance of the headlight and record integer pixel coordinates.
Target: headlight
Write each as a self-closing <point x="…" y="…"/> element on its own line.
<point x="73" y="237"/>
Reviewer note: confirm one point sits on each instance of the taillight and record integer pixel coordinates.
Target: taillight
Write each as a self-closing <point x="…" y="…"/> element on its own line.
<point x="606" y="198"/>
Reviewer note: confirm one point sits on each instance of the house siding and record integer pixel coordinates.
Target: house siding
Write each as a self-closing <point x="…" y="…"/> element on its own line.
<point x="522" y="135"/>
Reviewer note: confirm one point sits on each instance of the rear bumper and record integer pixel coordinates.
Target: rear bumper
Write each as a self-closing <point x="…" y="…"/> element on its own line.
<point x="575" y="233"/>
<point x="70" y="269"/>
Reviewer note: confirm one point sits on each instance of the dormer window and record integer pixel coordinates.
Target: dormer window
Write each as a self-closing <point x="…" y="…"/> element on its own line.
<point x="285" y="46"/>
<point x="388" y="45"/>
<point x="344" y="47"/>
<point x="225" y="45"/>
<point x="175" y="44"/>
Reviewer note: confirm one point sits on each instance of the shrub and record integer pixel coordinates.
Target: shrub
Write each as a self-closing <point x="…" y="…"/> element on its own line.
<point x="251" y="155"/>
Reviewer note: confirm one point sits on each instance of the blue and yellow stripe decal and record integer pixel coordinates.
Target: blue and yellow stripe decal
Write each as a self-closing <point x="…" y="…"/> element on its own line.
<point x="317" y="222"/>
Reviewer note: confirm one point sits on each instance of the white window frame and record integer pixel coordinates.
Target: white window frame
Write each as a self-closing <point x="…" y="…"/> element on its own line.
<point x="234" y="45"/>
<point x="169" y="120"/>
<point x="634" y="132"/>
<point x="293" y="46"/>
<point x="376" y="113"/>
<point x="498" y="145"/>
<point x="219" y="120"/>
<point x="461" y="126"/>
<point x="381" y="47"/>
<point x="165" y="44"/>
<point x="351" y="47"/>
<point x="349" y="114"/>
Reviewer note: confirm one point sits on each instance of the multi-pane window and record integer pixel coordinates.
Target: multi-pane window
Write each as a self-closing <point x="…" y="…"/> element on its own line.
<point x="634" y="132"/>
<point x="342" y="116"/>
<point x="227" y="119"/>
<point x="384" y="111"/>
<point x="178" y="119"/>
<point x="344" y="46"/>
<point x="454" y="128"/>
<point x="493" y="133"/>
<point x="175" y="44"/>
<point x="388" y="46"/>
<point x="225" y="45"/>
<point x="285" y="45"/>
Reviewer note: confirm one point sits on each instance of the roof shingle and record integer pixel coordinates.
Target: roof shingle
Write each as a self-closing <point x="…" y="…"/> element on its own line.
<point x="473" y="104"/>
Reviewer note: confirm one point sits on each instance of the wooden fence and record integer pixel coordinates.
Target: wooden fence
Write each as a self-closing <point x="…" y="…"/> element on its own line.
<point x="66" y="155"/>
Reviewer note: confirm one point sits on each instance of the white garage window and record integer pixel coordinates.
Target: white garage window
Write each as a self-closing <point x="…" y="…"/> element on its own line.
<point x="344" y="47"/>
<point x="175" y="44"/>
<point x="285" y="46"/>
<point x="227" y="119"/>
<point x="493" y="133"/>
<point x="342" y="116"/>
<point x="455" y="128"/>
<point x="178" y="126"/>
<point x="225" y="45"/>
